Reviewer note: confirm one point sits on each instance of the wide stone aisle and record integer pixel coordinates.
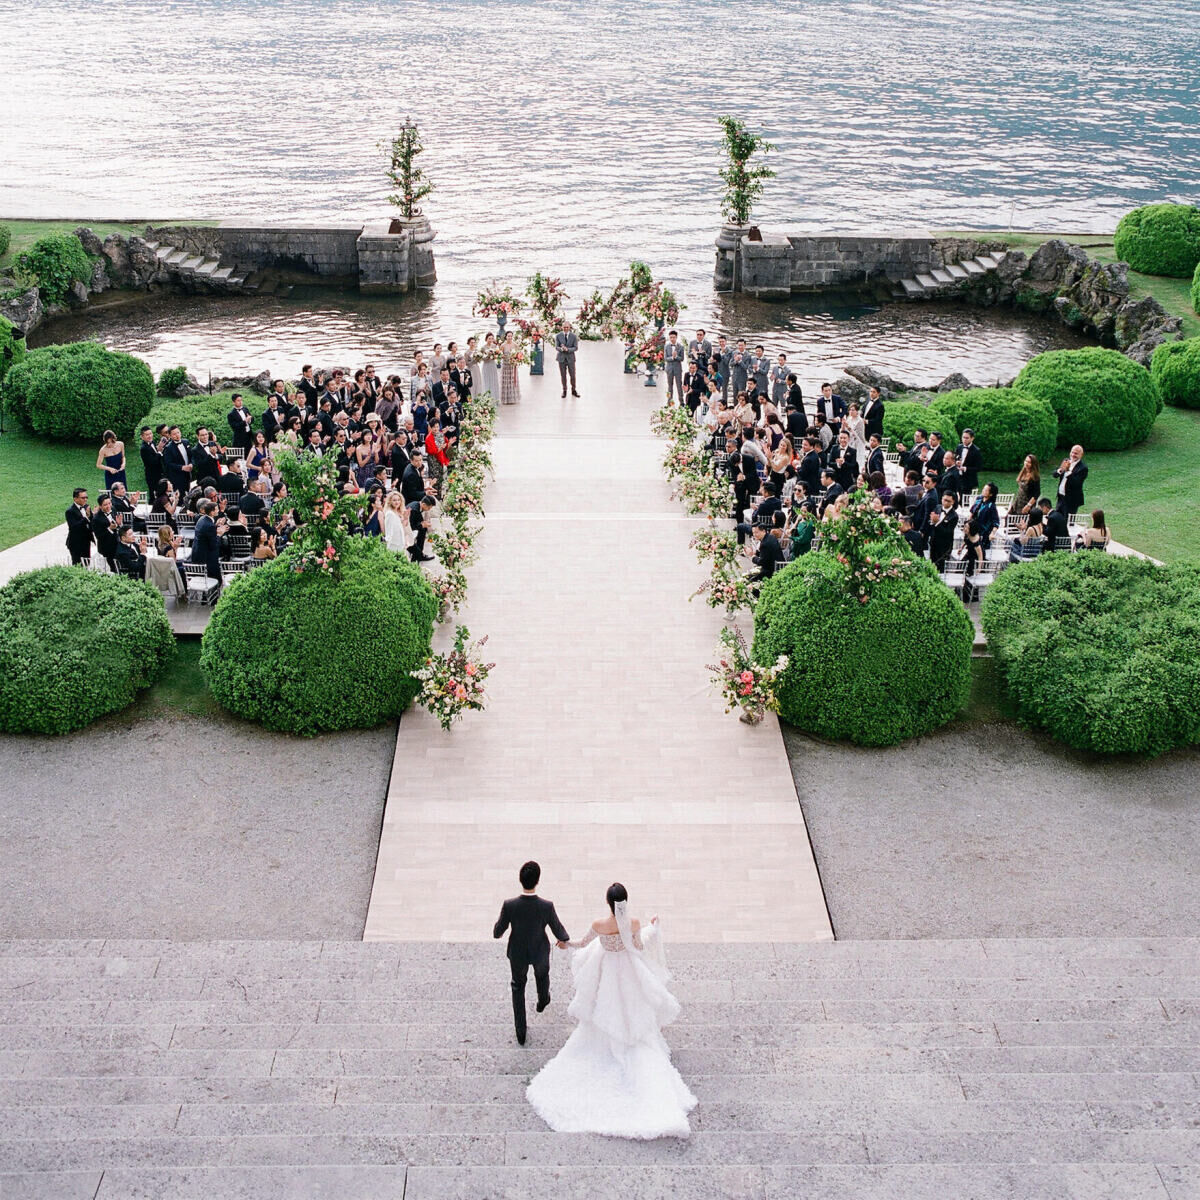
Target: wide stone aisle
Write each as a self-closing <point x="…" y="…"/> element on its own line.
<point x="603" y="753"/>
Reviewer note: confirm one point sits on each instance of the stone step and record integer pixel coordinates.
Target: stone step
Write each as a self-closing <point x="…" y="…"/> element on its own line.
<point x="191" y="262"/>
<point x="152" y="245"/>
<point x="941" y="276"/>
<point x="911" y="287"/>
<point x="207" y="268"/>
<point x="955" y="271"/>
<point x="973" y="267"/>
<point x="926" y="281"/>
<point x="988" y="261"/>
<point x="222" y="274"/>
<point x="174" y="257"/>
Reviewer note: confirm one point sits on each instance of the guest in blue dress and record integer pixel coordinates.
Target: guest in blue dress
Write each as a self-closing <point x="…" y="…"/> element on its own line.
<point x="258" y="456"/>
<point x="111" y="461"/>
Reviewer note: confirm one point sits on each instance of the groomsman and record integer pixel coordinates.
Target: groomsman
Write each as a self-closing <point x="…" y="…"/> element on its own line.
<point x="740" y="367"/>
<point x="760" y="369"/>
<point x="779" y="382"/>
<point x="673" y="358"/>
<point x="872" y="413"/>
<point x="79" y="527"/>
<point x="724" y="362"/>
<point x="970" y="460"/>
<point x="831" y="406"/>
<point x="239" y="421"/>
<point x="152" y="462"/>
<point x="566" y="344"/>
<point x="700" y="348"/>
<point x="177" y="462"/>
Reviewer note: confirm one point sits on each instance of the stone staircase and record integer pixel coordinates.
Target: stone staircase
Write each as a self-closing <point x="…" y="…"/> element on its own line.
<point x="942" y="281"/>
<point x="198" y="270"/>
<point x="948" y="1069"/>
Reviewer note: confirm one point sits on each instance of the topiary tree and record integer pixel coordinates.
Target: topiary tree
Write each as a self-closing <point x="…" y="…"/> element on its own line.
<point x="77" y="391"/>
<point x="901" y="418"/>
<point x="75" y="645"/>
<point x="1103" y="400"/>
<point x="1100" y="651"/>
<point x="192" y="412"/>
<point x="57" y="261"/>
<point x="12" y="346"/>
<point x="1007" y="424"/>
<point x="743" y="181"/>
<point x="5" y="239"/>
<point x="879" y="649"/>
<point x="404" y="174"/>
<point x="1160" y="239"/>
<point x="306" y="653"/>
<point x="1175" y="368"/>
<point x="1196" y="290"/>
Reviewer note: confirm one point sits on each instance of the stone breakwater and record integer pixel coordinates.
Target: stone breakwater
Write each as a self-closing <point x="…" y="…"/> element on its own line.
<point x="235" y="257"/>
<point x="1058" y="278"/>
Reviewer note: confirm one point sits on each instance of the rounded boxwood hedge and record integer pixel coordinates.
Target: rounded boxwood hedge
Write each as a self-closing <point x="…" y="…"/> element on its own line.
<point x="902" y="417"/>
<point x="306" y="653"/>
<point x="1196" y="290"/>
<point x="57" y="260"/>
<point x="1103" y="400"/>
<point x="75" y="645"/>
<point x="1160" y="239"/>
<point x="1175" y="368"/>
<point x="77" y="391"/>
<point x="1007" y="424"/>
<point x="12" y="346"/>
<point x="192" y="412"/>
<point x="5" y="239"/>
<point x="1100" y="651"/>
<point x="876" y="673"/>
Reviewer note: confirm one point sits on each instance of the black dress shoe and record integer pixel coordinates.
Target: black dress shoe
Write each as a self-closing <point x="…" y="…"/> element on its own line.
<point x="564" y="395"/>
<point x="424" y="558"/>
<point x="520" y="1039"/>
<point x="542" y="1005"/>
<point x="576" y="395"/>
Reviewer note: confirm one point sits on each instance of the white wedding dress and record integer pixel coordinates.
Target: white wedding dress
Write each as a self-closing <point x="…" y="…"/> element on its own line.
<point x="614" y="1076"/>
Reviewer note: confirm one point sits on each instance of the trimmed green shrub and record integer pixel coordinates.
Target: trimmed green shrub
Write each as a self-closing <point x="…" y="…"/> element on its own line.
<point x="1175" y="368"/>
<point x="876" y="673"/>
<point x="902" y="417"/>
<point x="5" y="239"/>
<point x="12" y="346"/>
<point x="1007" y="424"/>
<point x="75" y="645"/>
<point x="57" y="261"/>
<point x="1103" y="400"/>
<point x="1100" y="651"/>
<point x="1160" y="239"/>
<point x="1196" y="290"/>
<point x="170" y="379"/>
<point x="305" y="653"/>
<point x="77" y="391"/>
<point x="194" y="411"/>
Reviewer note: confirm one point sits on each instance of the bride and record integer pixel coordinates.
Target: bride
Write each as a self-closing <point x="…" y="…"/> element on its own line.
<point x="614" y="1075"/>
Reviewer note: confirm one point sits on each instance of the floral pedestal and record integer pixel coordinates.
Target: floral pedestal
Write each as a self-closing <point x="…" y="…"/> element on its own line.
<point x="537" y="358"/>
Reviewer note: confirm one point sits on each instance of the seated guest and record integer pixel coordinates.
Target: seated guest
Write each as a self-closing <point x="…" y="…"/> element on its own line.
<point x="912" y="488"/>
<point x="262" y="544"/>
<point x="131" y="554"/>
<point x="254" y="503"/>
<point x="803" y="530"/>
<point x="877" y="483"/>
<point x="767" y="553"/>
<point x="233" y="481"/>
<point x="1097" y="537"/>
<point x="1023" y="546"/>
<point x="1054" y="523"/>
<point x="373" y="525"/>
<point x="831" y="490"/>
<point x="940" y="538"/>
<point x="986" y="515"/>
<point x="916" y="543"/>
<point x="123" y="509"/>
<point x="167" y="542"/>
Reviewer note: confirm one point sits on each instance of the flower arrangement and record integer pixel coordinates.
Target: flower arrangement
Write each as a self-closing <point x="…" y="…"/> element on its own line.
<point x="547" y="297"/>
<point x="705" y="494"/>
<point x="726" y="588"/>
<point x="454" y="549"/>
<point x="593" y="316"/>
<point x="494" y="301"/>
<point x="327" y="560"/>
<point x="323" y="517"/>
<point x="649" y="352"/>
<point x="720" y="545"/>
<point x="451" y="590"/>
<point x="741" y="681"/>
<point x="455" y="682"/>
<point x="868" y="544"/>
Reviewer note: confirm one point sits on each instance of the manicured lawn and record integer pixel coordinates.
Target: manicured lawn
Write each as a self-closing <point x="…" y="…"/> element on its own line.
<point x="25" y="233"/>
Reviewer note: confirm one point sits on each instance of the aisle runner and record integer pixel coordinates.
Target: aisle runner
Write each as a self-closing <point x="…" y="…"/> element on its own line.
<point x="602" y="754"/>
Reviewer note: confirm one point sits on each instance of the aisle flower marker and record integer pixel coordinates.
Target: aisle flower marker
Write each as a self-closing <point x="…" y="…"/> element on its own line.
<point x="454" y="682"/>
<point x="741" y="681"/>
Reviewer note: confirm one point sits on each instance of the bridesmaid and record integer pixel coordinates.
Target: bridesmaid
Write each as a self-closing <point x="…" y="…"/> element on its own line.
<point x="256" y="460"/>
<point x="471" y="359"/>
<point x="489" y="371"/>
<point x="111" y="460"/>
<point x="510" y="386"/>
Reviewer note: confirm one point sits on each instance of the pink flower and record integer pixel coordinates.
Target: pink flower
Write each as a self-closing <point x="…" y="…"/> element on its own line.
<point x="470" y="668"/>
<point x="747" y="690"/>
<point x="747" y="676"/>
<point x="460" y="692"/>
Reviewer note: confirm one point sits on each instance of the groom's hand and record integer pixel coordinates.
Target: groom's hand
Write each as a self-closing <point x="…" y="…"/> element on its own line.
<point x="561" y="945"/>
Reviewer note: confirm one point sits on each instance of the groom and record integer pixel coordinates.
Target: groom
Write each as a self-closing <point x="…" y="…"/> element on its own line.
<point x="566" y="343"/>
<point x="528" y="915"/>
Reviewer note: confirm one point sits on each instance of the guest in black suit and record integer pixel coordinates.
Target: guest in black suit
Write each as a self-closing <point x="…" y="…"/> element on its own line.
<point x="831" y="489"/>
<point x="412" y="486"/>
<point x="309" y="386"/>
<point x="398" y="458"/>
<point x="795" y="400"/>
<point x="1054" y="524"/>
<point x="872" y="413"/>
<point x="418" y="522"/>
<point x="206" y="456"/>
<point x="152" y="462"/>
<point x="970" y="461"/>
<point x="240" y="421"/>
<point x="1070" y="476"/>
<point x="768" y="554"/>
<point x="940" y="537"/>
<point x="929" y="501"/>
<point x="916" y="542"/>
<point x="937" y="454"/>
<point x="79" y="527"/>
<point x="527" y="916"/>
<point x="177" y="462"/>
<point x="206" y="542"/>
<point x="809" y="470"/>
<point x="104" y="531"/>
<point x="843" y="460"/>
<point x="950" y="482"/>
<point x="875" y="456"/>
<point x="831" y="406"/>
<point x="131" y="554"/>
<point x="273" y="418"/>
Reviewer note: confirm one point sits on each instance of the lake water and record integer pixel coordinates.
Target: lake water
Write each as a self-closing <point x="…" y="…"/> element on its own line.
<point x="572" y="138"/>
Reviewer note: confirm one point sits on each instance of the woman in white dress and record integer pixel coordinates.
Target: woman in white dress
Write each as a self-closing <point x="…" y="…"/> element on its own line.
<point x="395" y="528"/>
<point x="614" y="1076"/>
<point x="856" y="427"/>
<point x="510" y="385"/>
<point x="489" y="369"/>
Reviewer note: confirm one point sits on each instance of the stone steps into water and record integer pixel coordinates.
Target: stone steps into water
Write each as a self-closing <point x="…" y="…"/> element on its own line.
<point x="940" y="281"/>
<point x="201" y="268"/>
<point x="1051" y="1067"/>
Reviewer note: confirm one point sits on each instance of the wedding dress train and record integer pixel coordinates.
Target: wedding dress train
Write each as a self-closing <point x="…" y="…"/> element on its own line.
<point x="614" y="1076"/>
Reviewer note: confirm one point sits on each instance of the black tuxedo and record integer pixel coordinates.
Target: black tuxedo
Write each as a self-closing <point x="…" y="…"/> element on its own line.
<point x="443" y="392"/>
<point x="910" y="460"/>
<point x="152" y="466"/>
<point x="970" y="463"/>
<point x="941" y="542"/>
<point x="104" y="530"/>
<point x="206" y="464"/>
<point x="951" y="482"/>
<point x="810" y="472"/>
<point x="876" y="462"/>
<point x="176" y="459"/>
<point x="846" y="474"/>
<point x="872" y="415"/>
<point x="928" y="502"/>
<point x="831" y="494"/>
<point x="79" y="533"/>
<point x="915" y="541"/>
<point x="527" y="918"/>
<point x="937" y="460"/>
<point x="835" y="411"/>
<point x="131" y="560"/>
<point x="411" y="485"/>
<point x="399" y="461"/>
<point x="206" y="548"/>
<point x="1070" y="501"/>
<point x="272" y="420"/>
<point x="239" y="422"/>
<point x="1055" y="526"/>
<point x="769" y="557"/>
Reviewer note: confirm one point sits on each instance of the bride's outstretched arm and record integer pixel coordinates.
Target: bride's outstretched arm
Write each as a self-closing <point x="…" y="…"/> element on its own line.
<point x="591" y="935"/>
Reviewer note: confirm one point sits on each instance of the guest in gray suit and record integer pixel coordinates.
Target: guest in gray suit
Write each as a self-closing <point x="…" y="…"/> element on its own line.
<point x="740" y="367"/>
<point x="724" y="361"/>
<point x="700" y="348"/>
<point x="566" y="343"/>
<point x="760" y="368"/>
<point x="779" y="382"/>
<point x="673" y="357"/>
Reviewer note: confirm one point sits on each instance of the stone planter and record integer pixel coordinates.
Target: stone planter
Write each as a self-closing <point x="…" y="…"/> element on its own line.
<point x="651" y="376"/>
<point x="725" y="274"/>
<point x="501" y="321"/>
<point x="630" y="369"/>
<point x="751" y="718"/>
<point x="420" y="233"/>
<point x="537" y="358"/>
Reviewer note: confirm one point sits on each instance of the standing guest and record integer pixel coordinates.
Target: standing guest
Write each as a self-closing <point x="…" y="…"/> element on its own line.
<point x="366" y="459"/>
<point x="166" y="503"/>
<point x="779" y="381"/>
<point x="739" y="367"/>
<point x="104" y="532"/>
<point x="443" y="390"/>
<point x="673" y="356"/>
<point x="1070" y="476"/>
<point x="437" y="360"/>
<point x="937" y="455"/>
<point x="79" y="527"/>
<point x="111" y="461"/>
<point x="760" y="371"/>
<point x="419" y="386"/>
<point x="928" y="502"/>
<point x="464" y="380"/>
<point x="1029" y="486"/>
<point x="471" y="358"/>
<point x="810" y="466"/>
<point x="970" y="461"/>
<point x="395" y="523"/>
<point x="206" y="456"/>
<point x="795" y="398"/>
<point x="974" y="553"/>
<point x="258" y="460"/>
<point x="831" y="406"/>
<point x="386" y="408"/>
<point x="872" y="413"/>
<point x="489" y="365"/>
<point x="566" y="345"/>
<point x="830" y="490"/>
<point x="940" y="538"/>
<point x="723" y="361"/>
<point x="240" y="421"/>
<point x="418" y="522"/>
<point x="206" y="541"/>
<point x="949" y="507"/>
<point x="913" y="459"/>
<point x="398" y="456"/>
<point x="700" y="349"/>
<point x="986" y="515"/>
<point x="273" y="417"/>
<point x="437" y="456"/>
<point x="152" y="463"/>
<point x="1096" y="538"/>
<point x="309" y="386"/>
<point x="825" y="431"/>
<point x="373" y="525"/>
<point x="697" y="387"/>
<point x="951" y="481"/>
<point x="122" y="508"/>
<point x="913" y="491"/>
<point x="412" y="486"/>
<point x="876" y="461"/>
<point x="844" y="462"/>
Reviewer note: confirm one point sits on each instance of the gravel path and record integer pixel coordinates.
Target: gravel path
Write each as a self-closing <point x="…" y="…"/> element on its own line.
<point x="993" y="831"/>
<point x="185" y="827"/>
